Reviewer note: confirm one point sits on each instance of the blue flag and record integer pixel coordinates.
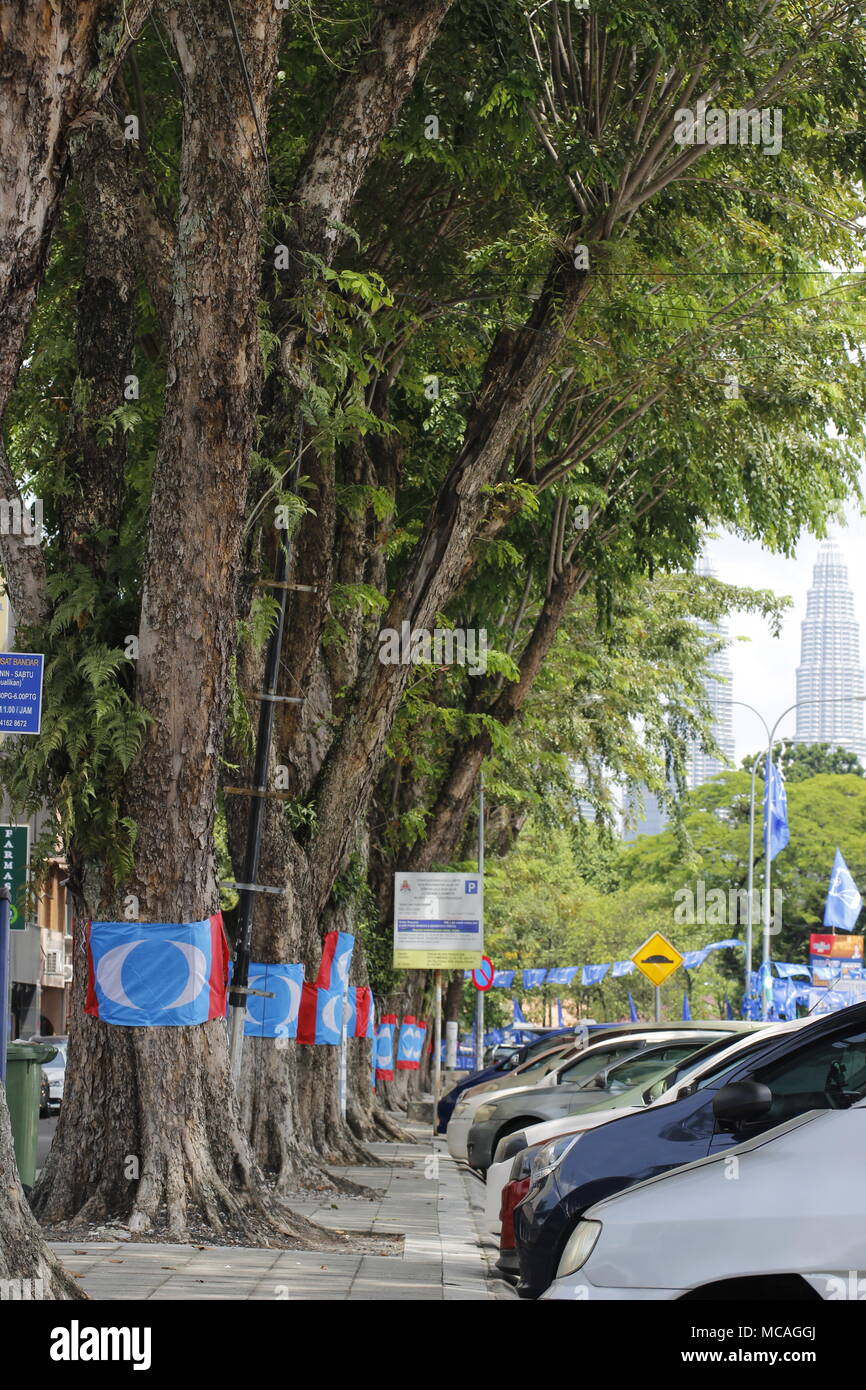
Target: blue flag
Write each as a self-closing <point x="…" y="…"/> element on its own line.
<point x="687" y="1008"/>
<point x="775" y="809"/>
<point x="559" y="1012"/>
<point x="518" y="1012"/>
<point x="276" y="1017"/>
<point x="632" y="1008"/>
<point x="729" y="1013"/>
<point x="844" y="902"/>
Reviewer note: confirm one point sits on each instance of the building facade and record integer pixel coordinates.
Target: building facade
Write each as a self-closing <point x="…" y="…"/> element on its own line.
<point x="40" y="955"/>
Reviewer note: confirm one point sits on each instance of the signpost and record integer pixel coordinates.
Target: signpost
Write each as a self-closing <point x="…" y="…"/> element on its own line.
<point x="657" y="959"/>
<point x="482" y="978"/>
<point x="21" y="692"/>
<point x="14" y="866"/>
<point x="438" y="921"/>
<point x="438" y="925"/>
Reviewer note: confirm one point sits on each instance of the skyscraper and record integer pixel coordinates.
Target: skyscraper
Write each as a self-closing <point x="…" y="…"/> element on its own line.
<point x="830" y="675"/>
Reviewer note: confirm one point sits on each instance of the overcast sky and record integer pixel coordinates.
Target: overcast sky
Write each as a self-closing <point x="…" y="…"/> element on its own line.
<point x="764" y="667"/>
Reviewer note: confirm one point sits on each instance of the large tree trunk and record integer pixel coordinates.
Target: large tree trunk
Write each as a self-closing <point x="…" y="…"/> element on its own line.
<point x="56" y="61"/>
<point x="24" y="1256"/>
<point x="173" y="1151"/>
<point x="290" y="1091"/>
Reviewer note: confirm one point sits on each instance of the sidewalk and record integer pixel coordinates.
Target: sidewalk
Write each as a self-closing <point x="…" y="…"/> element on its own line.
<point x="432" y="1204"/>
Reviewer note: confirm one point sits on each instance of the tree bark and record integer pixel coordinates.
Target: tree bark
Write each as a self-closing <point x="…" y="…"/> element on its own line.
<point x="167" y="1092"/>
<point x="56" y="61"/>
<point x="24" y="1254"/>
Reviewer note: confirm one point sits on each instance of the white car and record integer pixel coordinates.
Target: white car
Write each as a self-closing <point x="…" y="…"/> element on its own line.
<point x="498" y="1174"/>
<point x="582" y="1063"/>
<point x="782" y="1216"/>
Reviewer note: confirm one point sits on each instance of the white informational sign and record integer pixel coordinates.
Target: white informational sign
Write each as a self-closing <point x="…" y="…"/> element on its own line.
<point x="438" y="921"/>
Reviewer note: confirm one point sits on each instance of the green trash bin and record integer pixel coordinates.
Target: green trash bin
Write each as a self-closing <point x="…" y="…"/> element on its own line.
<point x="24" y="1062"/>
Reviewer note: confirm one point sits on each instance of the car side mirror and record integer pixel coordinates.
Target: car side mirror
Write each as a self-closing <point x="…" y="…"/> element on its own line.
<point x="741" y="1102"/>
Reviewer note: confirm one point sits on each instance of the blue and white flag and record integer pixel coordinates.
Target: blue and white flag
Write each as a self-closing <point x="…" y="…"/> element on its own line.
<point x="518" y="1012"/>
<point x="776" y="833"/>
<point x="632" y="1008"/>
<point x="277" y="1017"/>
<point x="532" y="979"/>
<point x="622" y="967"/>
<point x="157" y="974"/>
<point x="844" y="902"/>
<point x="559" y="1013"/>
<point x="593" y="974"/>
<point x="336" y="962"/>
<point x="687" y="1008"/>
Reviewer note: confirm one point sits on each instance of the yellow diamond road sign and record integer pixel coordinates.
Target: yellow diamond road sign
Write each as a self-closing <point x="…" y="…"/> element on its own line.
<point x="657" y="958"/>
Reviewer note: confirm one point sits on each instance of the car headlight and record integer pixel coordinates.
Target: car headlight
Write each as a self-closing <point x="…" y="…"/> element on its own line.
<point x="550" y="1157"/>
<point x="578" y="1247"/>
<point x="483" y="1113"/>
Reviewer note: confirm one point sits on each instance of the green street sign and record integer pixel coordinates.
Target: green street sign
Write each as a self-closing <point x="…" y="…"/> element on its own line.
<point x="14" y="862"/>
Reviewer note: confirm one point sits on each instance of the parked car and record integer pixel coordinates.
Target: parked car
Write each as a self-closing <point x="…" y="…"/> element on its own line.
<point x="649" y="1092"/>
<point x="772" y="1227"/>
<point x="617" y="1040"/>
<point x="55" y="1070"/>
<point x="569" y="1088"/>
<point x="525" y="1054"/>
<point x="818" y="1065"/>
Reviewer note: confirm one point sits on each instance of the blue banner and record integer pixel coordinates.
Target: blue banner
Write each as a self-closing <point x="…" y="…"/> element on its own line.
<point x="844" y="902"/>
<point x="277" y="1017"/>
<point x="776" y="833"/>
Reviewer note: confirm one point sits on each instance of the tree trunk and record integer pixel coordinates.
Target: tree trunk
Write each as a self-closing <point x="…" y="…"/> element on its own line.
<point x="24" y="1256"/>
<point x="173" y="1151"/>
<point x="56" y="61"/>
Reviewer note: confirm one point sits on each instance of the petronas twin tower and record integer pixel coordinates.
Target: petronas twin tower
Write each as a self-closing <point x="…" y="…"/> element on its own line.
<point x="830" y="682"/>
<point x="830" y="675"/>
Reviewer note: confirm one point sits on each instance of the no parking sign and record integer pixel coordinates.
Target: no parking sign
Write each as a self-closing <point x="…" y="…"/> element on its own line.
<point x="482" y="976"/>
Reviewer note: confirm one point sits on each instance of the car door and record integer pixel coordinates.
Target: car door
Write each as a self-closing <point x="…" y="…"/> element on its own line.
<point x="828" y="1073"/>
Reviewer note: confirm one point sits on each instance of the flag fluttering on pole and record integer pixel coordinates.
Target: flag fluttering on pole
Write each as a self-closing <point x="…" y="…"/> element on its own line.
<point x="518" y="1012"/>
<point x="632" y="1009"/>
<point x="559" y="1013"/>
<point x="687" y="1008"/>
<point x="844" y="902"/>
<point x="776" y="833"/>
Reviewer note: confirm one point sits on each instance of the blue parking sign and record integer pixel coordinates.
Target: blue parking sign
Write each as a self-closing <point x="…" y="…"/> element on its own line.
<point x="21" y="692"/>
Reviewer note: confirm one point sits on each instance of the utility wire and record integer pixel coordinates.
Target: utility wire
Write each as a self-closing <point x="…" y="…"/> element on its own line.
<point x="249" y="86"/>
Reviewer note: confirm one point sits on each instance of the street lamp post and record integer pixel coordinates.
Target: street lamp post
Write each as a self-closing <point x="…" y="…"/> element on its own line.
<point x="771" y="733"/>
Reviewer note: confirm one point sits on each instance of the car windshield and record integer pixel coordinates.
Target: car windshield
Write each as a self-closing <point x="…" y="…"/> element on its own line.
<point x="633" y="1070"/>
<point x="686" y="1067"/>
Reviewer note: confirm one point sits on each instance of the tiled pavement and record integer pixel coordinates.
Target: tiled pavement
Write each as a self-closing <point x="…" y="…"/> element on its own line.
<point x="434" y="1205"/>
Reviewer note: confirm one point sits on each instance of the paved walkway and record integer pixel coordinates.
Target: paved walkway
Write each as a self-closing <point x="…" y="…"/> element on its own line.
<point x="430" y="1207"/>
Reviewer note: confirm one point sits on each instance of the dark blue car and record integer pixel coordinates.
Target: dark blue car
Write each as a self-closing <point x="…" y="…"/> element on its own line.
<point x="817" y="1066"/>
<point x="445" y="1108"/>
